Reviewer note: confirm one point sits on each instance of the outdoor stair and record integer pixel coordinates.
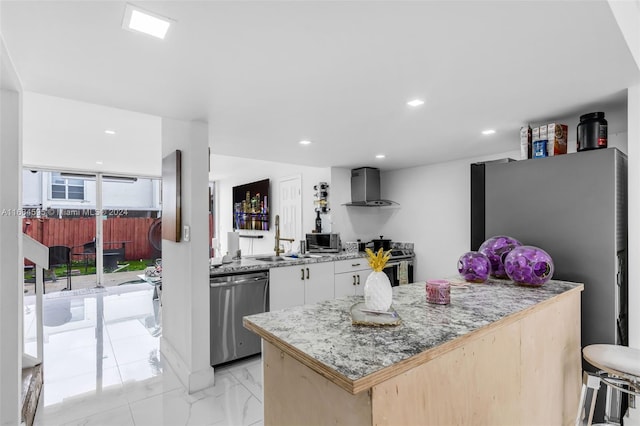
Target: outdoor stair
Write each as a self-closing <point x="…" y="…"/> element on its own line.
<point x="32" y="381"/>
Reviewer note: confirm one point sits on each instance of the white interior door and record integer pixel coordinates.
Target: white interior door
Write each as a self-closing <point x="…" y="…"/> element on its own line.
<point x="290" y="201"/>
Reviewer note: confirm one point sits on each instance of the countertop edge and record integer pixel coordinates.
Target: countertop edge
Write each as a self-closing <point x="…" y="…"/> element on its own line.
<point x="318" y="367"/>
<point x="386" y="373"/>
<point x="396" y="369"/>
<point x="234" y="268"/>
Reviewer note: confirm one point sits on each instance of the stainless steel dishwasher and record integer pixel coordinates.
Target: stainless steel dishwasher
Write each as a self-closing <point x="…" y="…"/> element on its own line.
<point x="232" y="297"/>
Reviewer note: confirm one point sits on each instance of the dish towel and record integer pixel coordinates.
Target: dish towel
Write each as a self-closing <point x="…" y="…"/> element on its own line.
<point x="403" y="272"/>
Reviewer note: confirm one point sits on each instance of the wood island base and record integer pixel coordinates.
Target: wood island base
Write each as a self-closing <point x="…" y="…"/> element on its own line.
<point x="524" y="369"/>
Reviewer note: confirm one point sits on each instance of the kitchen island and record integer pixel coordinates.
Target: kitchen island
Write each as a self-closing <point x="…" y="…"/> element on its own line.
<point x="498" y="354"/>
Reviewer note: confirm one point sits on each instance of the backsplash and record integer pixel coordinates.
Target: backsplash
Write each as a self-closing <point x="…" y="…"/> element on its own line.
<point x="401" y="245"/>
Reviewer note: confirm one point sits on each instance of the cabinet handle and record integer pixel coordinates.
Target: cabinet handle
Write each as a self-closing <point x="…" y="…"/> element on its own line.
<point x="302" y="272"/>
<point x="307" y="273"/>
<point x="355" y="264"/>
<point x="354" y="279"/>
<point x="358" y="279"/>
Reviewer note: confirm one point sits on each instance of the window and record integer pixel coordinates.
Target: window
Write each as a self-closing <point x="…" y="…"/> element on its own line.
<point x="65" y="188"/>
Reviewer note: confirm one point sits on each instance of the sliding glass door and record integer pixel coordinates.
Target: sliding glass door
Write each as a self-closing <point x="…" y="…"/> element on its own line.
<point x="101" y="230"/>
<point x="131" y="229"/>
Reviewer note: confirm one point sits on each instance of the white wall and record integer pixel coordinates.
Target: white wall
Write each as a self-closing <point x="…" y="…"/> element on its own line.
<point x="63" y="134"/>
<point x="31" y="188"/>
<point x="247" y="171"/>
<point x="143" y="194"/>
<point x="434" y="210"/>
<point x="634" y="228"/>
<point x="634" y="218"/>
<point x="11" y="275"/>
<point x="434" y="213"/>
<point x="627" y="14"/>
<point x="364" y="223"/>
<point x="185" y="264"/>
<point x="616" y="116"/>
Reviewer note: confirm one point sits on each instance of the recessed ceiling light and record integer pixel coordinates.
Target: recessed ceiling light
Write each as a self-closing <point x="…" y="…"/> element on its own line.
<point x="99" y="162"/>
<point x="488" y="132"/>
<point x="415" y="102"/>
<point x="380" y="156"/>
<point x="305" y="142"/>
<point x="140" y="20"/>
<point x="110" y="132"/>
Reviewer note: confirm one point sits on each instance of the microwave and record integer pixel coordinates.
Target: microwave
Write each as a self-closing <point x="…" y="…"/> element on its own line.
<point x="323" y="243"/>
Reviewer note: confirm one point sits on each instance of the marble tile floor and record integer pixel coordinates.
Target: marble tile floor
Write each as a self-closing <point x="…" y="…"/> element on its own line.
<point x="103" y="367"/>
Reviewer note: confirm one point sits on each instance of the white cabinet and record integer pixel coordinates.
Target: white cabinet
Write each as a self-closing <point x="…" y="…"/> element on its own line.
<point x="300" y="284"/>
<point x="286" y="287"/>
<point x="318" y="282"/>
<point x="349" y="284"/>
<point x="350" y="277"/>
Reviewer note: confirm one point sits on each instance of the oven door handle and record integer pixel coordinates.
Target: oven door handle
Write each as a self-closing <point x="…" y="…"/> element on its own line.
<point x="391" y="265"/>
<point x="397" y="263"/>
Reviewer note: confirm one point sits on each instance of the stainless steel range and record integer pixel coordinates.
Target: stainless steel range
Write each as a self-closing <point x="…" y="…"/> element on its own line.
<point x="400" y="267"/>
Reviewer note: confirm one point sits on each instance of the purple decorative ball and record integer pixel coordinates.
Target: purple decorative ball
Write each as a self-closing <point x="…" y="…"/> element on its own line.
<point x="496" y="249"/>
<point x="474" y="267"/>
<point x="529" y="265"/>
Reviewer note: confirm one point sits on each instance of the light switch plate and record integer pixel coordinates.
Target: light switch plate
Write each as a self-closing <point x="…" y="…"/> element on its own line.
<point x="186" y="234"/>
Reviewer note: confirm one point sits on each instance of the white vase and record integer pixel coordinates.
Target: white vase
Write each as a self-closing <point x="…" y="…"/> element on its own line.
<point x="377" y="292"/>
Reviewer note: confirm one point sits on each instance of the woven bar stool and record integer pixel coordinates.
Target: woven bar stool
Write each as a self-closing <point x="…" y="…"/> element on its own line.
<point x="619" y="370"/>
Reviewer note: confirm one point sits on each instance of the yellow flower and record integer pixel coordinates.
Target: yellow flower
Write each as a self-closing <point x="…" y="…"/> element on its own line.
<point x="377" y="261"/>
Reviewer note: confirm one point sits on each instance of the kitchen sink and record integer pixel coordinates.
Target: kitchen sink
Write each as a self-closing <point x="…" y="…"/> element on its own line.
<point x="286" y="258"/>
<point x="272" y="258"/>
<point x="304" y="256"/>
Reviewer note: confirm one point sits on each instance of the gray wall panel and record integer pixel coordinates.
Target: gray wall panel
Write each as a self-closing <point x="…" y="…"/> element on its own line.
<point x="567" y="206"/>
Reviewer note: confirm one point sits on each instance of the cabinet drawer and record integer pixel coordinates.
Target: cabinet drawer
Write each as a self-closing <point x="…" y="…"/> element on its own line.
<point x="351" y="265"/>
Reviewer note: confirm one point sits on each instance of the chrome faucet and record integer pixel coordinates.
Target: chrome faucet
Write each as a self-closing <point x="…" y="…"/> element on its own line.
<point x="278" y="239"/>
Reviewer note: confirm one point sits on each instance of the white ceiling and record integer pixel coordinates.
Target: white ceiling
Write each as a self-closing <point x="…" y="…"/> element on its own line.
<point x="68" y="135"/>
<point x="267" y="74"/>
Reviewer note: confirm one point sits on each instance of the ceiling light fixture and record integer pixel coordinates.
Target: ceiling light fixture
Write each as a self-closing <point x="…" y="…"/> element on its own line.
<point x="110" y="132"/>
<point x="140" y="20"/>
<point x="415" y="103"/>
<point x="99" y="162"/>
<point x="305" y="142"/>
<point x="380" y="156"/>
<point x="488" y="132"/>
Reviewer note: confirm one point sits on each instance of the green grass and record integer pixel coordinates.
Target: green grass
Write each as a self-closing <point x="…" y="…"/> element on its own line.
<point x="134" y="265"/>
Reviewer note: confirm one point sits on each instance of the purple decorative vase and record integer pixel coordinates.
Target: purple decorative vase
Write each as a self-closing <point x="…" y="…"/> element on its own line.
<point x="474" y="267"/>
<point x="496" y="249"/>
<point x="529" y="265"/>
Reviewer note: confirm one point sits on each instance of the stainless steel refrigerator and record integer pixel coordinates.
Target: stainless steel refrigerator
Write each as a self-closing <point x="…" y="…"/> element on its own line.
<point x="574" y="206"/>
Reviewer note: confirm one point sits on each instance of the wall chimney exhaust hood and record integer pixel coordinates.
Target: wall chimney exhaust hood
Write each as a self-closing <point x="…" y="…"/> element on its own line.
<point x="365" y="188"/>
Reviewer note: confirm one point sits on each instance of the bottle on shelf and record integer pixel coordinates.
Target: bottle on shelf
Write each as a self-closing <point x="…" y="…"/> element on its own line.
<point x="318" y="221"/>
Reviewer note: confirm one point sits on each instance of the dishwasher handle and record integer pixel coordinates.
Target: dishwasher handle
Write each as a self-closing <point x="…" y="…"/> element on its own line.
<point x="237" y="279"/>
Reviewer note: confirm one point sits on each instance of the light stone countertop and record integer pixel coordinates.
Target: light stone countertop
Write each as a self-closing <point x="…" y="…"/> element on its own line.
<point x="251" y="264"/>
<point x="323" y="332"/>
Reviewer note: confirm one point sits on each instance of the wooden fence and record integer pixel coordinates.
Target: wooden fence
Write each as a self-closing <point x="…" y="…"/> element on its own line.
<point x="75" y="232"/>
